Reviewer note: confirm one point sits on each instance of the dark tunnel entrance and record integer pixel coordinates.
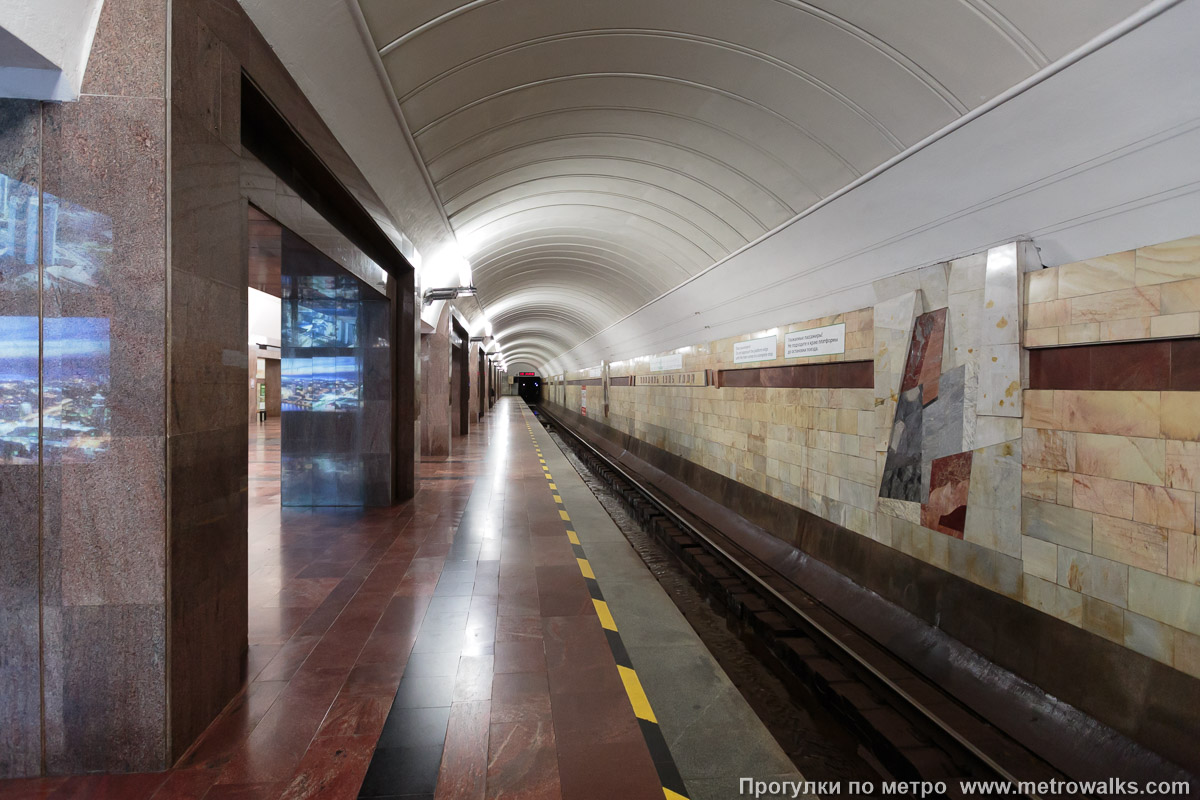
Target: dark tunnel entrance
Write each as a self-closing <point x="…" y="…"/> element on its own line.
<point x="530" y="388"/>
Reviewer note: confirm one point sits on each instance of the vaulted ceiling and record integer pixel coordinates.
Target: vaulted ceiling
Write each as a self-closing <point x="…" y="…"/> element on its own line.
<point x="591" y="156"/>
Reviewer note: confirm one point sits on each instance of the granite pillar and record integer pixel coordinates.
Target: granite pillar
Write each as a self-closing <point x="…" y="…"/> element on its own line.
<point x="435" y="388"/>
<point x="20" y="591"/>
<point x="123" y="369"/>
<point x="82" y="425"/>
<point x="406" y="383"/>
<point x="460" y="379"/>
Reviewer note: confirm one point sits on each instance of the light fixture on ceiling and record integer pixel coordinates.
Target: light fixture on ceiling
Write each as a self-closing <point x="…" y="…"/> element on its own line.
<point x="449" y="271"/>
<point x="446" y="293"/>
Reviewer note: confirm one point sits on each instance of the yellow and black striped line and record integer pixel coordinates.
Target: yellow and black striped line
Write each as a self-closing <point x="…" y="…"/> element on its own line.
<point x="660" y="754"/>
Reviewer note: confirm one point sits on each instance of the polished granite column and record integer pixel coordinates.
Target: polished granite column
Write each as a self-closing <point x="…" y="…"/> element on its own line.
<point x="435" y="388"/>
<point x="20" y="696"/>
<point x="460" y="380"/>
<point x="85" y="508"/>
<point x="206" y="547"/>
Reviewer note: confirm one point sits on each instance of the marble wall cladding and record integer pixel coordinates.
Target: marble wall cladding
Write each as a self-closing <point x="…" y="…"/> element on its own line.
<point x="968" y="388"/>
<point x="20" y="695"/>
<point x="893" y="325"/>
<point x="435" y="388"/>
<point x="811" y="447"/>
<point x="1152" y="292"/>
<point x="92" y="174"/>
<point x="209" y="364"/>
<point x="1000" y="380"/>
<point x="120" y="426"/>
<point x="1106" y="489"/>
<point x="275" y="198"/>
<point x="1070" y="498"/>
<point x="104" y="287"/>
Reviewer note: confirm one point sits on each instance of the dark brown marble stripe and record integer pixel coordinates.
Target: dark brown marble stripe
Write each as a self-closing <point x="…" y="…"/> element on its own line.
<point x="1164" y="365"/>
<point x="839" y="375"/>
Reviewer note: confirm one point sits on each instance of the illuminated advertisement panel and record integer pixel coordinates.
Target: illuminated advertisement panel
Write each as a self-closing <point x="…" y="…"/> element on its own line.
<point x="54" y="377"/>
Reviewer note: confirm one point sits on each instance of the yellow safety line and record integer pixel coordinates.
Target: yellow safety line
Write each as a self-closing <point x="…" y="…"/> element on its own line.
<point x="629" y="678"/>
<point x="637" y="695"/>
<point x="606" y="617"/>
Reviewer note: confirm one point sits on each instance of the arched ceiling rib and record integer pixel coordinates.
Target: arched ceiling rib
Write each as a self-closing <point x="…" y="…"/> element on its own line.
<point x="591" y="156"/>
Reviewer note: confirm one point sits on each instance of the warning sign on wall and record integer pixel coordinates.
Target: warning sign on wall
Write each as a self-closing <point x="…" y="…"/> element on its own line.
<point x="583" y="401"/>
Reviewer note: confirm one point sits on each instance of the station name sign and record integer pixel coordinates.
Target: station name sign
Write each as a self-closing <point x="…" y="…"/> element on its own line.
<point x="827" y="341"/>
<point x="697" y="378"/>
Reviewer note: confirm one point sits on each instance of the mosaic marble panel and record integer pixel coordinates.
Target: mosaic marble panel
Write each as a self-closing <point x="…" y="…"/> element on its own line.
<point x="943" y="417"/>
<point x="924" y="365"/>
<point x="927" y="469"/>
<point x="902" y="470"/>
<point x="949" y="485"/>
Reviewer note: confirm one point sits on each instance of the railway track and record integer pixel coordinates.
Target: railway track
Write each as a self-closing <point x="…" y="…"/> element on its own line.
<point x="914" y="730"/>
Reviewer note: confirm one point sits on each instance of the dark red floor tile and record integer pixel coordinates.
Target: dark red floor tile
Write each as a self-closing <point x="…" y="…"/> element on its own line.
<point x="597" y="717"/>
<point x="463" y="774"/>
<point x="356" y="715"/>
<point x="521" y="605"/>
<point x="373" y="678"/>
<point x="332" y="768"/>
<point x="228" y="731"/>
<point x="578" y="658"/>
<point x="275" y="625"/>
<point x="522" y="762"/>
<point x="474" y="679"/>
<point x="186" y="784"/>
<point x="403" y="616"/>
<point x="245" y="791"/>
<point x="139" y="786"/>
<point x="516" y="628"/>
<point x="591" y="771"/>
<point x="520" y="697"/>
<point x="520" y="656"/>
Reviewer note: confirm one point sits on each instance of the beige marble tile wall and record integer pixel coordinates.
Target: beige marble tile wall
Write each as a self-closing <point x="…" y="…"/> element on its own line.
<point x="1110" y="478"/>
<point x="1109" y="516"/>
<point x="1148" y="293"/>
<point x="1082" y="504"/>
<point x="814" y="448"/>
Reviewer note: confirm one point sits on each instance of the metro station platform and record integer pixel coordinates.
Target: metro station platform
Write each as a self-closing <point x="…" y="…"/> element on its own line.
<point x="495" y="637"/>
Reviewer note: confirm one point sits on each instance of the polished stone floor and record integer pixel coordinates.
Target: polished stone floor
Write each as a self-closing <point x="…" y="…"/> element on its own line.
<point x="449" y="648"/>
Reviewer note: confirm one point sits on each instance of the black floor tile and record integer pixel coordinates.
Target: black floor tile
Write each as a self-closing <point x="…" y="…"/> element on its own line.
<point x="439" y="640"/>
<point x="424" y="691"/>
<point x="402" y="771"/>
<point x="415" y="727"/>
<point x="424" y="665"/>
<point x="439" y="605"/>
